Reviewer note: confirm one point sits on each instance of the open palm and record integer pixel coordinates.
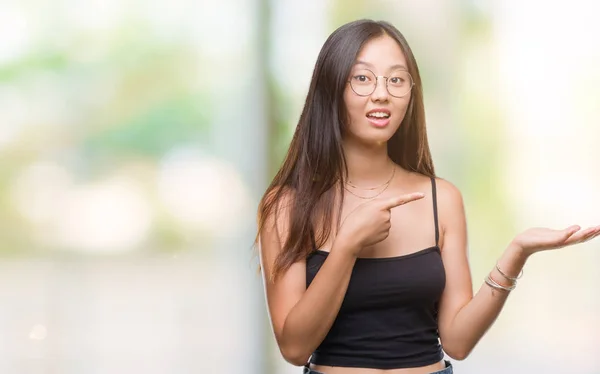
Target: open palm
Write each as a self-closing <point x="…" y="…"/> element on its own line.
<point x="540" y="239"/>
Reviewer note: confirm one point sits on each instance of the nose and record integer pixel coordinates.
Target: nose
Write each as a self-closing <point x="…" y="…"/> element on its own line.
<point x="381" y="92"/>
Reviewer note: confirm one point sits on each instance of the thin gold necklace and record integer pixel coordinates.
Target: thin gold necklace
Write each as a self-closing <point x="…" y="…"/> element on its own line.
<point x="373" y="188"/>
<point x="384" y="185"/>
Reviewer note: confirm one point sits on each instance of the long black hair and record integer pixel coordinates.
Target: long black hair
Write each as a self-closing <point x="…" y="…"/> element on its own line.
<point x="315" y="161"/>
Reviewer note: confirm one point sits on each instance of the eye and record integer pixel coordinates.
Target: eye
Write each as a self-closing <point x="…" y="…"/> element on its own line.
<point x="361" y="78"/>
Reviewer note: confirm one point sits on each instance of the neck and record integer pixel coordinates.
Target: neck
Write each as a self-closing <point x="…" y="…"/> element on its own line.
<point x="367" y="164"/>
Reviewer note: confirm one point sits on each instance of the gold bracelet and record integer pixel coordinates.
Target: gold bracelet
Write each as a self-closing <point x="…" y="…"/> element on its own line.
<point x="514" y="280"/>
<point x="492" y="283"/>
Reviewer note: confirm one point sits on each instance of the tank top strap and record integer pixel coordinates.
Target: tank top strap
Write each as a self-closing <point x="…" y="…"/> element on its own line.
<point x="435" y="211"/>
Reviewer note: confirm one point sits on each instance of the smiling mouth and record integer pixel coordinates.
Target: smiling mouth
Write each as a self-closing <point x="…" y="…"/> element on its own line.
<point x="378" y="121"/>
<point x="378" y="115"/>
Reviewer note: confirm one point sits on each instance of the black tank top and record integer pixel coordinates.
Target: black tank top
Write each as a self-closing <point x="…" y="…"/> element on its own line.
<point x="388" y="318"/>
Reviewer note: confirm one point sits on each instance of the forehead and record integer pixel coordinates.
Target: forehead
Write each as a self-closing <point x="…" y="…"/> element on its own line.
<point x="382" y="53"/>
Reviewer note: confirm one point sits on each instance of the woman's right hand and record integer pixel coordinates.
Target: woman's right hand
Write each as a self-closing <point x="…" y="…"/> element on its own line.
<point x="369" y="223"/>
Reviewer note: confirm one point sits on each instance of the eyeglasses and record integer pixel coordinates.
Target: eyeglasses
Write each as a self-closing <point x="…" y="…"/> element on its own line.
<point x="363" y="82"/>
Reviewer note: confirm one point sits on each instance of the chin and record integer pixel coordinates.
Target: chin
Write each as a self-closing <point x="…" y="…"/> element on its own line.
<point x="379" y="135"/>
<point x="377" y="140"/>
<point x="370" y="135"/>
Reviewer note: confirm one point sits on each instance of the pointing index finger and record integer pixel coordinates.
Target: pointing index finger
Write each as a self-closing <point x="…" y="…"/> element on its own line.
<point x="401" y="200"/>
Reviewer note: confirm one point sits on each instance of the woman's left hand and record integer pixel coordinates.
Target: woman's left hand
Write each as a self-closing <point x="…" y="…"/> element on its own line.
<point x="540" y="239"/>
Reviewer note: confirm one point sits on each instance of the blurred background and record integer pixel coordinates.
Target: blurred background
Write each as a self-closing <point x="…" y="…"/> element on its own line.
<point x="137" y="137"/>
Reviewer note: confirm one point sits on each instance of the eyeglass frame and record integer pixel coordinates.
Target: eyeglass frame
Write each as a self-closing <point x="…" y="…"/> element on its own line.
<point x="386" y="84"/>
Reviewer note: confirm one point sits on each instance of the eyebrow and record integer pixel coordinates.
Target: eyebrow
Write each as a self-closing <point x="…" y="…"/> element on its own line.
<point x="397" y="66"/>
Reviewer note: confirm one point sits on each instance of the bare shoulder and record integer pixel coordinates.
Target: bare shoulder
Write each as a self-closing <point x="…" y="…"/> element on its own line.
<point x="279" y="200"/>
<point x="448" y="194"/>
<point x="451" y="213"/>
<point x="276" y="207"/>
<point x="418" y="182"/>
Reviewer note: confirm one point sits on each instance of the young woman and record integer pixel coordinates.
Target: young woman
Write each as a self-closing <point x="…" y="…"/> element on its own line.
<point x="363" y="250"/>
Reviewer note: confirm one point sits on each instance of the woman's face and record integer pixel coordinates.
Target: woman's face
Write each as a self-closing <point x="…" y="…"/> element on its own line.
<point x="375" y="113"/>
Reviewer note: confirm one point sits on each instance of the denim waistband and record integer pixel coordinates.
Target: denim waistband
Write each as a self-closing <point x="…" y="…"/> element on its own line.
<point x="447" y="370"/>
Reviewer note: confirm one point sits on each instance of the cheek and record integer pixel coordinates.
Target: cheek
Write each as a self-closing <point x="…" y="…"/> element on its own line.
<point x="400" y="110"/>
<point x="355" y="106"/>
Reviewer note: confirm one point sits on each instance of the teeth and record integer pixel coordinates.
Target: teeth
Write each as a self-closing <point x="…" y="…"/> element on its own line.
<point x="379" y="115"/>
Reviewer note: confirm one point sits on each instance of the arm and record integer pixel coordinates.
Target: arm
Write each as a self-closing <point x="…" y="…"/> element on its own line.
<point x="302" y="317"/>
<point x="464" y="318"/>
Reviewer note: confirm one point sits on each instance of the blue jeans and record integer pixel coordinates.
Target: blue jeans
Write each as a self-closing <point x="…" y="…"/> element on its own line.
<point x="447" y="370"/>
